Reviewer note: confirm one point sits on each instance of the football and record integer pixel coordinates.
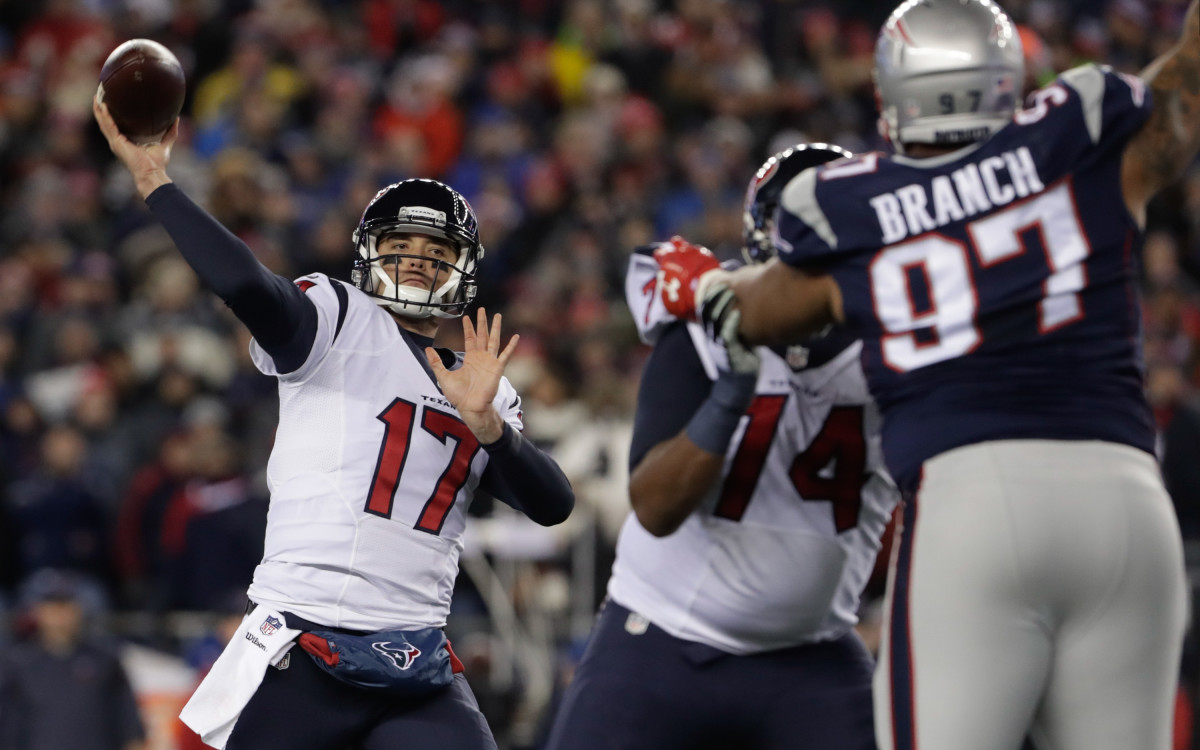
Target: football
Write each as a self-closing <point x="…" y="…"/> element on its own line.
<point x="143" y="85"/>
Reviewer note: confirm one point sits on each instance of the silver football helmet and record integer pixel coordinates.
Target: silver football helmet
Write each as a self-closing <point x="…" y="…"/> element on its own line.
<point x="947" y="72"/>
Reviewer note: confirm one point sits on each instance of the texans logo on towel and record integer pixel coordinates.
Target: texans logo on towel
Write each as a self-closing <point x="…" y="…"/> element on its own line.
<point x="402" y="656"/>
<point x="271" y="625"/>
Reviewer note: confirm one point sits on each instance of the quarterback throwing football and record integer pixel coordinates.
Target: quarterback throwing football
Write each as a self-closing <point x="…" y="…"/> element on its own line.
<point x="382" y="442"/>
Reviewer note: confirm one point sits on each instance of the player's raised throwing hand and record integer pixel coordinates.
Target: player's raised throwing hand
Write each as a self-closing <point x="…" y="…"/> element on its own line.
<point x="472" y="387"/>
<point x="147" y="164"/>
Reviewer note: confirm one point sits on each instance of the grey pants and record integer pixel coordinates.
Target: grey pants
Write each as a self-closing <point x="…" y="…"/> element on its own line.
<point x="1038" y="586"/>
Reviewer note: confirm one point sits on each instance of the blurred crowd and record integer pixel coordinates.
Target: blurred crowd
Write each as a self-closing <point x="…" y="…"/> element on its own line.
<point x="133" y="426"/>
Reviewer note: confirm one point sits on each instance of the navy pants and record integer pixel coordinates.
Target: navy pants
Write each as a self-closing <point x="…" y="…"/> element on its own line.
<point x="653" y="691"/>
<point x="303" y="708"/>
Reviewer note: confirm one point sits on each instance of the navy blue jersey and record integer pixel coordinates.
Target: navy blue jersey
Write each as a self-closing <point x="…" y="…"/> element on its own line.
<point x="993" y="287"/>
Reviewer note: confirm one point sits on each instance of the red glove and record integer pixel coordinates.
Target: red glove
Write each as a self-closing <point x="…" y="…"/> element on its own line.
<point x="680" y="266"/>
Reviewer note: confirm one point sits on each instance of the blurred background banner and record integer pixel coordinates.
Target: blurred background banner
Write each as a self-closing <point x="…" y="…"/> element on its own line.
<point x="133" y="427"/>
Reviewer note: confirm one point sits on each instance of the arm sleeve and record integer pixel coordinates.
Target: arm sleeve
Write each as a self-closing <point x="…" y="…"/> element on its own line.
<point x="282" y="320"/>
<point x="521" y="475"/>
<point x="674" y="385"/>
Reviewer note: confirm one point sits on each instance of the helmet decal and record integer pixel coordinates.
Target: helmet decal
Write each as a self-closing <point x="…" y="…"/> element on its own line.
<point x="414" y="213"/>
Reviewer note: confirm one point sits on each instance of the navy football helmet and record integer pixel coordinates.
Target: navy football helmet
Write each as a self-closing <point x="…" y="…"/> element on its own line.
<point x="766" y="189"/>
<point x="425" y="207"/>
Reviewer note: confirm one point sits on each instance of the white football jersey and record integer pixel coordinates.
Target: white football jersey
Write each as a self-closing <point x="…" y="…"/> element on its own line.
<point x="370" y="476"/>
<point x="780" y="549"/>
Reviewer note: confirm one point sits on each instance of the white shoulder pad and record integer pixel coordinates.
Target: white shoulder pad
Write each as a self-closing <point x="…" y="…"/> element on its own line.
<point x="641" y="294"/>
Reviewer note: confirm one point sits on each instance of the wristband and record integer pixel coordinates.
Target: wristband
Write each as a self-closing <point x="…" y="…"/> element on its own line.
<point x="714" y="423"/>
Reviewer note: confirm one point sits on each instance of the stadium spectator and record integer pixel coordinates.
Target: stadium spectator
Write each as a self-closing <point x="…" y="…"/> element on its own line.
<point x="59" y="521"/>
<point x="63" y="688"/>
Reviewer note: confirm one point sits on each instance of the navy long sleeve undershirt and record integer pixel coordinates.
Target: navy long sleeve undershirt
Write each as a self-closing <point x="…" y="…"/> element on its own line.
<point x="520" y="475"/>
<point x="282" y="320"/>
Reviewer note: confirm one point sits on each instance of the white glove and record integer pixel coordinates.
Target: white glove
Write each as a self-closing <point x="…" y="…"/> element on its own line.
<point x="718" y="308"/>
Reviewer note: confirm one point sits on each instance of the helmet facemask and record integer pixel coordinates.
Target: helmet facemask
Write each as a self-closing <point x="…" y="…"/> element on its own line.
<point x="424" y="207"/>
<point x="455" y="280"/>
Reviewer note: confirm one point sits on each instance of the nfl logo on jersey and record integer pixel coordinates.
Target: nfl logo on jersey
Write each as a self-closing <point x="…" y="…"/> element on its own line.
<point x="270" y="625"/>
<point x="797" y="357"/>
<point x="636" y="624"/>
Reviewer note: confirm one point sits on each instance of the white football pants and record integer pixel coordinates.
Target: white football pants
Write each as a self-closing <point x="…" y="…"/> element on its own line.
<point x="1037" y="588"/>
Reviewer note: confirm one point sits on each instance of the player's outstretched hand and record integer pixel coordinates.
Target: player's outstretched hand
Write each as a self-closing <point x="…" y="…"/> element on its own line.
<point x="680" y="266"/>
<point x="147" y="164"/>
<point x="472" y="387"/>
